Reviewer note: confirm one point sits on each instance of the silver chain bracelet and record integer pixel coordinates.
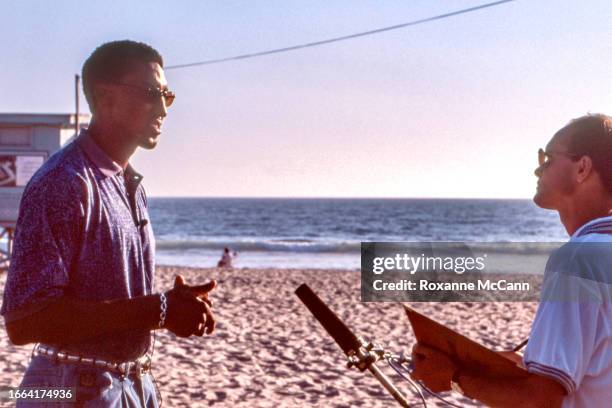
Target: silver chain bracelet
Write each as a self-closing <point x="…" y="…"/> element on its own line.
<point x="163" y="309"/>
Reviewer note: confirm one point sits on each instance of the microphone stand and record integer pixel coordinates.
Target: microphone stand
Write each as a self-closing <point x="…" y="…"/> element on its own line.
<point x="360" y="353"/>
<point x="366" y="358"/>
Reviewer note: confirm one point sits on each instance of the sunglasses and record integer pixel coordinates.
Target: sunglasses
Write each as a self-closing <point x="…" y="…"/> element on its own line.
<point x="151" y="94"/>
<point x="544" y="157"/>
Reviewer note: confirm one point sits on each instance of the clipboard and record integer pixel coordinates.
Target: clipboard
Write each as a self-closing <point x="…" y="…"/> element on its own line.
<point x="462" y="350"/>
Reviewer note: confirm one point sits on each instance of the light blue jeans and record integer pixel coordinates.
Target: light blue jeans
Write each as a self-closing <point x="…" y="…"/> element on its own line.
<point x="95" y="387"/>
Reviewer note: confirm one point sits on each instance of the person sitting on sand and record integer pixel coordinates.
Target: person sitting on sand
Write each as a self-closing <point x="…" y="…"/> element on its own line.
<point x="80" y="283"/>
<point x="226" y="258"/>
<point x="569" y="353"/>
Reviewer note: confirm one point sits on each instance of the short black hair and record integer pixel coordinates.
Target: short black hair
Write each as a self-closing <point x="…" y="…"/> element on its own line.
<point x="591" y="135"/>
<point x="113" y="60"/>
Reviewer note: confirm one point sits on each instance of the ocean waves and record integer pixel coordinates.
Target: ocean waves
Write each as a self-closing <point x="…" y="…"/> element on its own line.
<point x="327" y="233"/>
<point x="265" y="245"/>
<point x="299" y="245"/>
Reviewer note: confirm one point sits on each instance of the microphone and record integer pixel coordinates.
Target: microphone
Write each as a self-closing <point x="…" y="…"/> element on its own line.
<point x="336" y="328"/>
<point x="143" y="223"/>
<point x="361" y="355"/>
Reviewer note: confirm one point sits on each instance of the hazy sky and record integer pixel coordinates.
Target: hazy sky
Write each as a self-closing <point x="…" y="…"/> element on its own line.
<point x="452" y="108"/>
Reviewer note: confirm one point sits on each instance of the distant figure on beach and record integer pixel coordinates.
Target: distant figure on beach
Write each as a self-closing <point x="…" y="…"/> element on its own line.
<point x="569" y="353"/>
<point x="80" y="283"/>
<point x="226" y="258"/>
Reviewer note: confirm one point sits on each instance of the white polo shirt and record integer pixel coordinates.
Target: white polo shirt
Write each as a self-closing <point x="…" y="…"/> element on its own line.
<point x="571" y="336"/>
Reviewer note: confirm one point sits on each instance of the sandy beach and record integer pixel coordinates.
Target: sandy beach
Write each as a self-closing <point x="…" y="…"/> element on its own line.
<point x="268" y="350"/>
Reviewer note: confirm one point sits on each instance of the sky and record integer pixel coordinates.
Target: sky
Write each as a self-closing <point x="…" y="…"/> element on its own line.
<point x="453" y="108"/>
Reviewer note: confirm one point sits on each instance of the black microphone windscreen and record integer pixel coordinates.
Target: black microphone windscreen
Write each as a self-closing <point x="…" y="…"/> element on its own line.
<point x="336" y="328"/>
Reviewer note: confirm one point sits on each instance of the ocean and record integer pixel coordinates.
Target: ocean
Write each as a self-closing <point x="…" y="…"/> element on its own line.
<point x="326" y="233"/>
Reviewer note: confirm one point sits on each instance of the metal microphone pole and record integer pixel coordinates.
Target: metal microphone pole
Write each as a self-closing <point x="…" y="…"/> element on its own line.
<point x="361" y="354"/>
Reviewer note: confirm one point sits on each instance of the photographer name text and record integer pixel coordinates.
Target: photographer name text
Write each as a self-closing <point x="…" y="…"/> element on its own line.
<point x="426" y="285"/>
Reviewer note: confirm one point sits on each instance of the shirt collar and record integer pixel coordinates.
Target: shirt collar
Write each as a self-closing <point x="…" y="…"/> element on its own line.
<point x="107" y="166"/>
<point x="597" y="225"/>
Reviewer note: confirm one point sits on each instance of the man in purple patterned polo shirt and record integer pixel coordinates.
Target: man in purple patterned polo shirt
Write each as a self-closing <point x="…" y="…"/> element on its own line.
<point x="80" y="282"/>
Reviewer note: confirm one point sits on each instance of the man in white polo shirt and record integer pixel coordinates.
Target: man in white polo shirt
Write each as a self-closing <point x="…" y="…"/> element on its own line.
<point x="569" y="354"/>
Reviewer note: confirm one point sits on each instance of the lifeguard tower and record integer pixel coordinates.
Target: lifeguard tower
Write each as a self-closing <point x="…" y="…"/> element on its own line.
<point x="26" y="141"/>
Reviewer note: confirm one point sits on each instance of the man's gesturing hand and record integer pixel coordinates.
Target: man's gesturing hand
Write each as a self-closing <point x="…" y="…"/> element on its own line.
<point x="189" y="309"/>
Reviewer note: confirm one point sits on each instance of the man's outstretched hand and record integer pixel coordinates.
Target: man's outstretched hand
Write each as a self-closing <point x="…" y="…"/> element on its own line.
<point x="190" y="309"/>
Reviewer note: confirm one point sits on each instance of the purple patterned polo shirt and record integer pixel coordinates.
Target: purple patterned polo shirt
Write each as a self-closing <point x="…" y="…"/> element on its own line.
<point x="83" y="231"/>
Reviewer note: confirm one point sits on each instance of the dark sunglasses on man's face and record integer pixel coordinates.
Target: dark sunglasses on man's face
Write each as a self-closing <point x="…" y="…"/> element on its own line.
<point x="152" y="94"/>
<point x="545" y="157"/>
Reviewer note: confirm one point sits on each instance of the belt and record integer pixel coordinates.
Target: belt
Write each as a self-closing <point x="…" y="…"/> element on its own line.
<point x="139" y="366"/>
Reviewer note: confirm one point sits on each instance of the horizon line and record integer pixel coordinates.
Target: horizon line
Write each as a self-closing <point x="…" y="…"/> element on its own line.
<point x="343" y="197"/>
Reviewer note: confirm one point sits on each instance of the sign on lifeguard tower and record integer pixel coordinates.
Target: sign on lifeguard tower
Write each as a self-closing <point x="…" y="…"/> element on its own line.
<point x="26" y="141"/>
